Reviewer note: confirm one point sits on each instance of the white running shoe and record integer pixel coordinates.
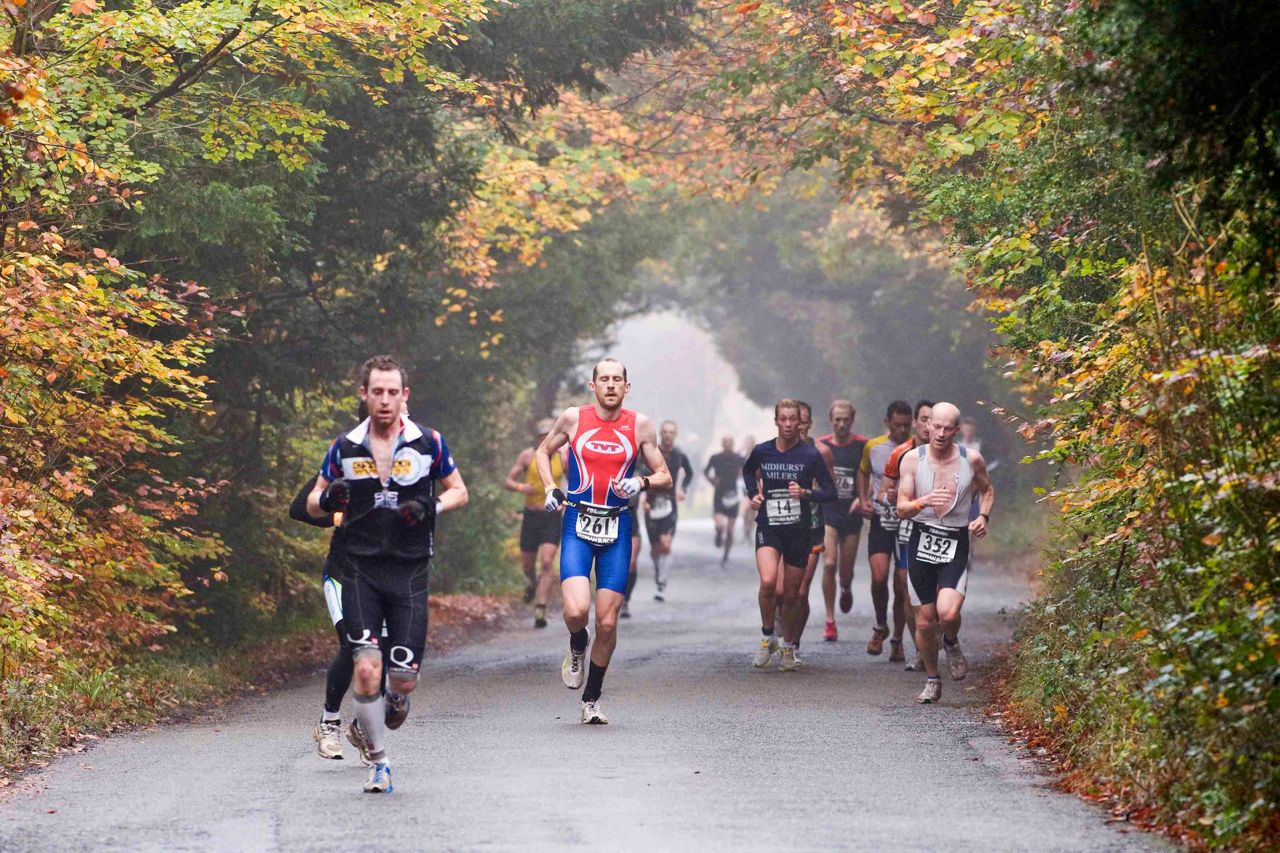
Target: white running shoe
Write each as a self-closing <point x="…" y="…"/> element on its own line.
<point x="932" y="692"/>
<point x="592" y="715"/>
<point x="328" y="736"/>
<point x="916" y="665"/>
<point x="788" y="662"/>
<point x="768" y="647"/>
<point x="379" y="779"/>
<point x="573" y="671"/>
<point x="957" y="665"/>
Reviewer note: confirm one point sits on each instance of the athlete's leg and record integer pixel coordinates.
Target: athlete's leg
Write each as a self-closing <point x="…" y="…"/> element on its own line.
<point x="810" y="571"/>
<point x="338" y="678"/>
<point x="880" y="586"/>
<point x="903" y="614"/>
<point x="728" y="536"/>
<point x="848" y="556"/>
<point x="363" y="615"/>
<point x="767" y="563"/>
<point x="792" y="581"/>
<point x="831" y="555"/>
<point x="527" y="566"/>
<point x="926" y="617"/>
<point x="546" y="572"/>
<point x="607" y="604"/>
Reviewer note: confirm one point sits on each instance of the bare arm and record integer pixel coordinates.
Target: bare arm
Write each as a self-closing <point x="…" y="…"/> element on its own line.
<point x="454" y="495"/>
<point x="647" y="438"/>
<point x="515" y="477"/>
<point x="986" y="493"/>
<point x="908" y="507"/>
<point x="559" y="436"/>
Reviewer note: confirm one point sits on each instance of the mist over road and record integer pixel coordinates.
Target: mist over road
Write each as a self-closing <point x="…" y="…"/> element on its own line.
<point x="702" y="751"/>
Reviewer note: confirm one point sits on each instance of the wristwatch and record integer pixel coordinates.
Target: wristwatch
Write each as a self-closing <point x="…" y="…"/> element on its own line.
<point x="985" y="516"/>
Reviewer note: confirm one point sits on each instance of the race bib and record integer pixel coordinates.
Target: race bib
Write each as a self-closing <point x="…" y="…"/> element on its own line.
<point x="781" y="509"/>
<point x="888" y="516"/>
<point x="904" y="530"/>
<point x="597" y="525"/>
<point x="937" y="544"/>
<point x="660" y="506"/>
<point x="845" y="483"/>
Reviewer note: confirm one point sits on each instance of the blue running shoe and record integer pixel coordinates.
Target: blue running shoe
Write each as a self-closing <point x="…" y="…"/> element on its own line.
<point x="379" y="780"/>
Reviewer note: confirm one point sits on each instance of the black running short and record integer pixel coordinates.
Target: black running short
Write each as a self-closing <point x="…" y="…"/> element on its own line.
<point x="837" y="515"/>
<point x="375" y="591"/>
<point x="539" y="527"/>
<point x="880" y="540"/>
<point x="660" y="527"/>
<point x="938" y="559"/>
<point x="793" y="542"/>
<point x="728" y="504"/>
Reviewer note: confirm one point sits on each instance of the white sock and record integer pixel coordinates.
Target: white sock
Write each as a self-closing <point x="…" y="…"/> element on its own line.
<point x="331" y="716"/>
<point x="371" y="712"/>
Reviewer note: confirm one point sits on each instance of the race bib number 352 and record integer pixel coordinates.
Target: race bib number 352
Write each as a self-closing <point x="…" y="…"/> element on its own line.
<point x="937" y="545"/>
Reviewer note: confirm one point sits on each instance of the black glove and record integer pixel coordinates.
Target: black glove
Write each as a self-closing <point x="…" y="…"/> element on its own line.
<point x="555" y="499"/>
<point x="336" y="496"/>
<point x="416" y="511"/>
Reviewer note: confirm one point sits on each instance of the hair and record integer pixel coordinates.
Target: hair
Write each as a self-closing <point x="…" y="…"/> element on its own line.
<point x="921" y="405"/>
<point x="805" y="407"/>
<point x="668" y="421"/>
<point x="786" y="403"/>
<point x="595" y="368"/>
<point x="898" y="407"/>
<point x="841" y="404"/>
<point x="381" y="362"/>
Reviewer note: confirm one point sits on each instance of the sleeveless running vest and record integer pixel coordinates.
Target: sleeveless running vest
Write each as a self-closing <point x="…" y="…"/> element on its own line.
<point x="535" y="499"/>
<point x="957" y="515"/>
<point x="846" y="458"/>
<point x="601" y="451"/>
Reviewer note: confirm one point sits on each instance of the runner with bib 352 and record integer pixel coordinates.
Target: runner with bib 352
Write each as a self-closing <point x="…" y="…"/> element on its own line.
<point x="945" y="477"/>
<point x="605" y="441"/>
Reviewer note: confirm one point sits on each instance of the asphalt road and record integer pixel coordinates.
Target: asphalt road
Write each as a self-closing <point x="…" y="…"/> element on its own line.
<point x="702" y="751"/>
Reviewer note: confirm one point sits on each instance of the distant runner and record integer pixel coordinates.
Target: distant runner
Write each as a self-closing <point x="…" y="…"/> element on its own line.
<point x="946" y="477"/>
<point x="724" y="470"/>
<point x="605" y="441"/>
<point x="780" y="477"/>
<point x="903" y="614"/>
<point x="842" y="518"/>
<point x="382" y="477"/>
<point x="662" y="508"/>
<point x="882" y="541"/>
<point x="539" y="530"/>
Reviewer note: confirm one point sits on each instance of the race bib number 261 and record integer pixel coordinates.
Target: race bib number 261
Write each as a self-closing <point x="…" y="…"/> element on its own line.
<point x="597" y="529"/>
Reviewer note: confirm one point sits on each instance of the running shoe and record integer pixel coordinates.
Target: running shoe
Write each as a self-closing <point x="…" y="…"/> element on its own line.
<point x="328" y="736"/>
<point x="356" y="737"/>
<point x="379" y="779"/>
<point x="829" y="632"/>
<point x="932" y="692"/>
<point x="659" y="594"/>
<point x="788" y="662"/>
<point x="768" y="647"/>
<point x="592" y="715"/>
<point x="539" y="615"/>
<point x="397" y="710"/>
<point x="846" y="599"/>
<point x="625" y="611"/>
<point x="895" y="652"/>
<point x="876" y="644"/>
<point x="957" y="665"/>
<point x="573" y="670"/>
<point x="916" y="665"/>
<point x="529" y="590"/>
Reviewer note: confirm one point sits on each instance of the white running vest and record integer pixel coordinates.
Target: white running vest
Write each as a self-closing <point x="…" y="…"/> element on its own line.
<point x="957" y="515"/>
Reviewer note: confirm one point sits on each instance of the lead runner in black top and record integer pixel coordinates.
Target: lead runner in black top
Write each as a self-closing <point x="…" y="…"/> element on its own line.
<point x="382" y="475"/>
<point x="782" y="477"/>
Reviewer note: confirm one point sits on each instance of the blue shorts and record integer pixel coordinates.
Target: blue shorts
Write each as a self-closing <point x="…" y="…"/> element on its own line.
<point x="612" y="561"/>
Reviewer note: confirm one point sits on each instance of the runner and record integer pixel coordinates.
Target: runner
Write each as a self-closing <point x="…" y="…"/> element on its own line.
<point x="539" y="530"/>
<point x="882" y="539"/>
<point x="662" y="508"/>
<point x="779" y="476"/>
<point x="382" y="477"/>
<point x="605" y="440"/>
<point x="946" y="476"/>
<point x="724" y="470"/>
<point x="903" y="616"/>
<point x="816" y="527"/>
<point x="841" y="518"/>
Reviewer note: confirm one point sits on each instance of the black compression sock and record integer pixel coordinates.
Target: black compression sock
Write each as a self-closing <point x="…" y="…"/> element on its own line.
<point x="595" y="683"/>
<point x="768" y="632"/>
<point x="578" y="640"/>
